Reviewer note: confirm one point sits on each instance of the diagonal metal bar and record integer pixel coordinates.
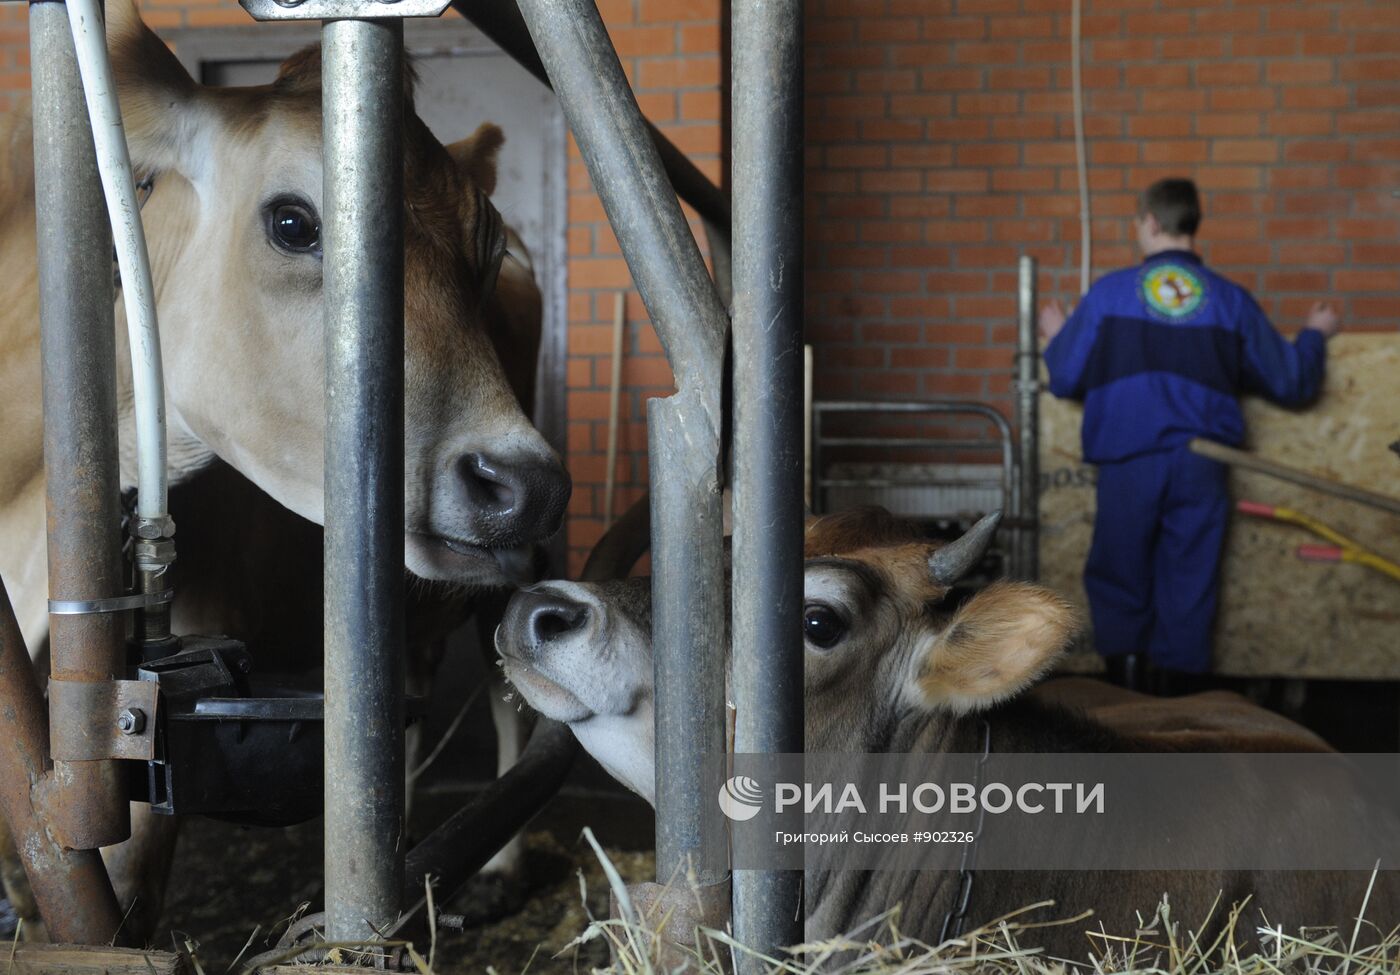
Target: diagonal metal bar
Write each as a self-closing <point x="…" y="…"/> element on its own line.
<point x="689" y="619"/>
<point x="501" y="21"/>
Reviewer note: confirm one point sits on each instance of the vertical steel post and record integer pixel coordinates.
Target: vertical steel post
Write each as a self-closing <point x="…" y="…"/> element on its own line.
<point x="71" y="887"/>
<point x="363" y="102"/>
<point x="689" y="625"/>
<point x="1027" y="424"/>
<point x="768" y="516"/>
<point x="80" y="414"/>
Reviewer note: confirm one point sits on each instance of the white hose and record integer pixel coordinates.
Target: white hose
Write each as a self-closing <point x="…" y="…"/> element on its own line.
<point x="138" y="293"/>
<point x="1086" y="239"/>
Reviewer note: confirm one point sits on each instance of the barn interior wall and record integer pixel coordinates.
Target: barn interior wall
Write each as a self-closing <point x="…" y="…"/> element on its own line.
<point x="940" y="147"/>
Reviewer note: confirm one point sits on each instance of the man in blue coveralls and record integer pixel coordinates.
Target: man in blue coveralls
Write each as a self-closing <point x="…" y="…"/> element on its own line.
<point x="1159" y="354"/>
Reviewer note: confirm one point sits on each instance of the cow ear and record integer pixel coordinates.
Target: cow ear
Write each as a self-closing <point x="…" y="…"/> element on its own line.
<point x="997" y="644"/>
<point x="162" y="113"/>
<point x="475" y="155"/>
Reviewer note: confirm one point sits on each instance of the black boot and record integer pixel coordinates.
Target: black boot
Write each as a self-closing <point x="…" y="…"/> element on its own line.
<point x="1127" y="670"/>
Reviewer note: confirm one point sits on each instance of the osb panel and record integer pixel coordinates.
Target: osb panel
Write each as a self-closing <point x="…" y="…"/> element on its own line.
<point x="1279" y="616"/>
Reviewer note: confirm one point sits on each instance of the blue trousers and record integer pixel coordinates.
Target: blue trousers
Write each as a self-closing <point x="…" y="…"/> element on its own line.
<point x="1153" y="572"/>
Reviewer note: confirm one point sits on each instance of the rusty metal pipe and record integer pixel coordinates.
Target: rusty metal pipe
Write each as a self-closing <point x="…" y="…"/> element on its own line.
<point x="80" y="416"/>
<point x="71" y="887"/>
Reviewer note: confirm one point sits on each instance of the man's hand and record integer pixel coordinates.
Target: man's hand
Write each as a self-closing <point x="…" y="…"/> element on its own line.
<point x="1052" y="319"/>
<point x="1323" y="318"/>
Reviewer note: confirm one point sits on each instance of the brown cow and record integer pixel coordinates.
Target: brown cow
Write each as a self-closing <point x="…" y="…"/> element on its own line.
<point x="233" y="228"/>
<point x="890" y="668"/>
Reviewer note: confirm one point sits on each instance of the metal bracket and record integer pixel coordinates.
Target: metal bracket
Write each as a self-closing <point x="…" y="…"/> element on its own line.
<point x="112" y="604"/>
<point x="103" y="719"/>
<point x="341" y="9"/>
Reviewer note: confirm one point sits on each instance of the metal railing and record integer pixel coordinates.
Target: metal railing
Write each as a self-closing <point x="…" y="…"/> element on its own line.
<point x="1003" y="444"/>
<point x="637" y="173"/>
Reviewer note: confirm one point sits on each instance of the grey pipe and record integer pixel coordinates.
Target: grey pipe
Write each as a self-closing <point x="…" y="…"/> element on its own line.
<point x="80" y="415"/>
<point x="1027" y="425"/>
<point x="363" y="100"/>
<point x="768" y="373"/>
<point x="689" y="621"/>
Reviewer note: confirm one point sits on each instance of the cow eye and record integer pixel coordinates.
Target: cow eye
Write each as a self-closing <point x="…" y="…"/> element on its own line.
<point x="822" y="626"/>
<point x="294" y="227"/>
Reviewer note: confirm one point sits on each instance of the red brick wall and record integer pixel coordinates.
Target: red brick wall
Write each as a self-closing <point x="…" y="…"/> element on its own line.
<point x="670" y="49"/>
<point x="940" y="147"/>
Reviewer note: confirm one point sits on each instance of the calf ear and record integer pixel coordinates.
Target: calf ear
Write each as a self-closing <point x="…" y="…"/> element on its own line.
<point x="1000" y="641"/>
<point x="162" y="114"/>
<point x="475" y="155"/>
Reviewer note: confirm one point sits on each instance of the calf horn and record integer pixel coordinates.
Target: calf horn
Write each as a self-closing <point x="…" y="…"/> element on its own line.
<point x="953" y="561"/>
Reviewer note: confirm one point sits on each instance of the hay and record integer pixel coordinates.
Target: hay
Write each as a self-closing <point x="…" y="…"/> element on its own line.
<point x="1162" y="945"/>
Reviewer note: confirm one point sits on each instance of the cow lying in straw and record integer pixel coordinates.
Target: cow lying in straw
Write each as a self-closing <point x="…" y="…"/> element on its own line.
<point x="890" y="669"/>
<point x="234" y="232"/>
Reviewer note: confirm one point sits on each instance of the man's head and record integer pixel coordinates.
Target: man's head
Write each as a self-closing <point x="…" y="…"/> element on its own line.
<point x="1168" y="216"/>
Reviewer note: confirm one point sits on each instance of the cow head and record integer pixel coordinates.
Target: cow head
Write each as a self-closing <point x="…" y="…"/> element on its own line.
<point x="882" y="646"/>
<point x="234" y="229"/>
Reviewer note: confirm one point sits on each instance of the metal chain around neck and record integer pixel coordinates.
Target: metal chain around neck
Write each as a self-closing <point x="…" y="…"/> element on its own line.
<point x="956" y="917"/>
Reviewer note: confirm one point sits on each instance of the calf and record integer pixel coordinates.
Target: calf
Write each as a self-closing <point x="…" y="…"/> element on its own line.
<point x="891" y="668"/>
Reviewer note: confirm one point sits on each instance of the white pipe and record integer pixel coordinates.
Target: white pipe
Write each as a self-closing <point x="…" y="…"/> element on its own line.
<point x="1086" y="240"/>
<point x="138" y="293"/>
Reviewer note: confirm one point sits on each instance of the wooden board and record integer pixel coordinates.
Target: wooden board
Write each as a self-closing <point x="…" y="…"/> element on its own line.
<point x="1279" y="616"/>
<point x="37" y="959"/>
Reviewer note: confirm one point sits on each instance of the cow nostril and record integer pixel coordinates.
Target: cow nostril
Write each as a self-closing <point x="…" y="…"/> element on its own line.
<point x="487" y="486"/>
<point x="557" y="619"/>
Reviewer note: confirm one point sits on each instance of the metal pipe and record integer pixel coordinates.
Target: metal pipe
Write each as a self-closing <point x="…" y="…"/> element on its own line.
<point x="1028" y="425"/>
<point x="768" y="518"/>
<point x="502" y="23"/>
<point x="689" y="618"/>
<point x="71" y="887"/>
<point x="80" y="415"/>
<point x="472" y="835"/>
<point x="363" y="102"/>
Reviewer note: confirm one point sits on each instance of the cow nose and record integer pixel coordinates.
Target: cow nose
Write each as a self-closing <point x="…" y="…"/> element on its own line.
<point x="537" y="620"/>
<point x="556" y="619"/>
<point x="513" y="502"/>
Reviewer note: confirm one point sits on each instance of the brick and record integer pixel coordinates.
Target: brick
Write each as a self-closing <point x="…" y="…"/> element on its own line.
<point x="678" y="10"/>
<point x="1300" y="72"/>
<point x="1175" y="151"/>
<point x="1158" y="126"/>
<point x="1356" y="279"/>
<point x="1227" y="73"/>
<point x="1228" y="124"/>
<point x="1158" y="75"/>
<point x="1244" y="150"/>
<point x="1241" y="99"/>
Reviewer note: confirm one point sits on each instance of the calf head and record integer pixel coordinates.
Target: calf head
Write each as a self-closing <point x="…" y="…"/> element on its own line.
<point x="234" y="230"/>
<point x="881" y="644"/>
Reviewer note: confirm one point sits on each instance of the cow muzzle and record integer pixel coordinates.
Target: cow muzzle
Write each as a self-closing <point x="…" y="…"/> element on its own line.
<point x="560" y="651"/>
<point x="510" y="502"/>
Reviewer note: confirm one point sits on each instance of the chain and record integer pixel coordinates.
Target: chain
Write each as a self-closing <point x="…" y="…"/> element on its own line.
<point x="957" y="914"/>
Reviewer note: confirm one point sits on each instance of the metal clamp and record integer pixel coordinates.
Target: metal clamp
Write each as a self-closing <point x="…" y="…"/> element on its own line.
<point x="112" y="604"/>
<point x="341" y="9"/>
<point x="107" y="719"/>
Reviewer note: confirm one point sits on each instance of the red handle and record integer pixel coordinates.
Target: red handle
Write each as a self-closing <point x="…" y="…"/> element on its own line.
<point x="1255" y="508"/>
<point x="1319" y="553"/>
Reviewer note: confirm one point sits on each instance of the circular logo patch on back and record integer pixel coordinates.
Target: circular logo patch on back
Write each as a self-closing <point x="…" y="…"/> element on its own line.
<point x="1173" y="291"/>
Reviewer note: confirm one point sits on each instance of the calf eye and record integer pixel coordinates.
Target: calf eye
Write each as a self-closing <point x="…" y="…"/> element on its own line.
<point x="294" y="227"/>
<point x="822" y="626"/>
